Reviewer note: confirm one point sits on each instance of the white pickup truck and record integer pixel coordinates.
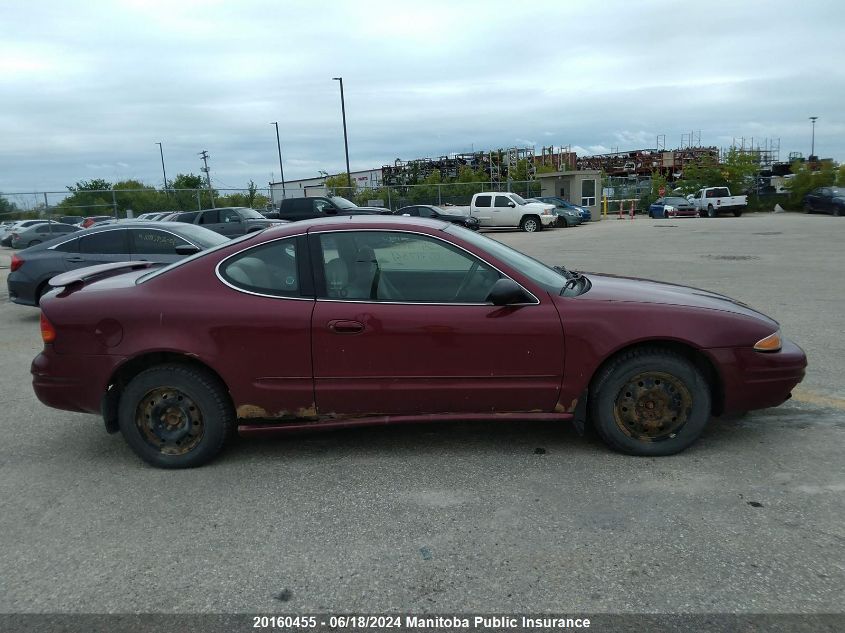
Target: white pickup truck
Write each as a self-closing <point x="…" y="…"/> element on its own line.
<point x="504" y="209"/>
<point x="711" y="201"/>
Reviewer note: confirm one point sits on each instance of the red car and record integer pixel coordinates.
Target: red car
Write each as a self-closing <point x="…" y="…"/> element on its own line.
<point x="377" y="319"/>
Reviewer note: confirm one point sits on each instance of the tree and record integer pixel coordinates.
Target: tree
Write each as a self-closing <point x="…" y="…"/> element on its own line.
<point x="805" y="180"/>
<point x="339" y="184"/>
<point x="88" y="197"/>
<point x="739" y="170"/>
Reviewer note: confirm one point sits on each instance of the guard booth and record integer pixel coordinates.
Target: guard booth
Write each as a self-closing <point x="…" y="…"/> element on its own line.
<point x="582" y="187"/>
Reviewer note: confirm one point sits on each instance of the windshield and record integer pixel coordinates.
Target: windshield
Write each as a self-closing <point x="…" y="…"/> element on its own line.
<point x="251" y="214"/>
<point x="676" y="201"/>
<point x="538" y="272"/>
<point x="518" y="199"/>
<point x="164" y="269"/>
<point x="201" y="236"/>
<point x="342" y="203"/>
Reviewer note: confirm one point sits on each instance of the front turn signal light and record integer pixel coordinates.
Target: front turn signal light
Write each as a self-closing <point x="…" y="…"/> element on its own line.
<point x="771" y="343"/>
<point x="48" y="332"/>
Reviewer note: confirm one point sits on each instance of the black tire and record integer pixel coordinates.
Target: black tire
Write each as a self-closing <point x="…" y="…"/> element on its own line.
<point x="711" y="212"/>
<point x="190" y="395"/>
<point x="737" y="213"/>
<point x="837" y="211"/>
<point x="668" y="398"/>
<point x="531" y="224"/>
<point x="808" y="208"/>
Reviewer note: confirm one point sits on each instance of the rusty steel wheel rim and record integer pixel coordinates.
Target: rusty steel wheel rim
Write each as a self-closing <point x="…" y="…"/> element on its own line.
<point x="652" y="406"/>
<point x="170" y="421"/>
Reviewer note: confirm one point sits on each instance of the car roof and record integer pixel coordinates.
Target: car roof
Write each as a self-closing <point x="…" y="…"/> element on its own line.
<point x="358" y="222"/>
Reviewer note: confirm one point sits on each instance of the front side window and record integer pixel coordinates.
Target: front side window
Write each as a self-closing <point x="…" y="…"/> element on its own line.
<point x="105" y="243"/>
<point x="588" y="193"/>
<point x="503" y="201"/>
<point x="268" y="269"/>
<point x="154" y="242"/>
<point x="402" y="268"/>
<point x="229" y="215"/>
<point x="425" y="212"/>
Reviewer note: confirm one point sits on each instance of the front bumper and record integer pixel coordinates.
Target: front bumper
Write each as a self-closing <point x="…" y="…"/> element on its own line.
<point x="758" y="380"/>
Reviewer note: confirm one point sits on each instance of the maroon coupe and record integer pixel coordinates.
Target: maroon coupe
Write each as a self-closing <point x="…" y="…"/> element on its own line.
<point x="375" y="320"/>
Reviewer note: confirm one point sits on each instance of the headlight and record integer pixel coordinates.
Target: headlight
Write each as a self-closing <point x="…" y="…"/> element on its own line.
<point x="772" y="343"/>
<point x="668" y="207"/>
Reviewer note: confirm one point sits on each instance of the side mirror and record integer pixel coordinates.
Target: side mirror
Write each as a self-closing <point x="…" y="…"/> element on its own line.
<point x="329" y="210"/>
<point x="512" y="205"/>
<point x="506" y="292"/>
<point x="186" y="249"/>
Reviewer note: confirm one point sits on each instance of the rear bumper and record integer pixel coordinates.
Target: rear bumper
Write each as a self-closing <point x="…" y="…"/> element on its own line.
<point x="72" y="383"/>
<point x="22" y="292"/>
<point x="757" y="380"/>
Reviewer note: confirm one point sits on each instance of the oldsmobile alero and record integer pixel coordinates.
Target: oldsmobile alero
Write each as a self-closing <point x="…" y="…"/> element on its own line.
<point x="372" y="320"/>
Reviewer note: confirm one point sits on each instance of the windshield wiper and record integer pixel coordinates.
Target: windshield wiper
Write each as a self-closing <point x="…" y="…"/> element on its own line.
<point x="563" y="271"/>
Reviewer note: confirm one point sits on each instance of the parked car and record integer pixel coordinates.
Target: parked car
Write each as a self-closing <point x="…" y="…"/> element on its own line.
<point x="826" y="199"/>
<point x="672" y="207"/>
<point x="228" y="221"/>
<point x="153" y="216"/>
<point x="296" y="209"/>
<point x="436" y="213"/>
<point x="91" y="219"/>
<point x="70" y="219"/>
<point x="33" y="267"/>
<point x="41" y="232"/>
<point x="711" y="201"/>
<point x="6" y="235"/>
<point x="505" y="209"/>
<point x="584" y="212"/>
<point x="565" y="217"/>
<point x="374" y="320"/>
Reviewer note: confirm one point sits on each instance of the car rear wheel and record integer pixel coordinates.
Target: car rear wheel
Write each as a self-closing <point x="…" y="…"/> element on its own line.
<point x="737" y="213"/>
<point x="175" y="416"/>
<point x="650" y="402"/>
<point x="711" y="212"/>
<point x="530" y="224"/>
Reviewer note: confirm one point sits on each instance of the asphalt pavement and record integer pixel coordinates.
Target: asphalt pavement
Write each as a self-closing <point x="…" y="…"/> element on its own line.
<point x="462" y="517"/>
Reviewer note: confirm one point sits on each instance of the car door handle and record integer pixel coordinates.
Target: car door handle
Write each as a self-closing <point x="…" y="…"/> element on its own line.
<point x="340" y="326"/>
<point x="74" y="259"/>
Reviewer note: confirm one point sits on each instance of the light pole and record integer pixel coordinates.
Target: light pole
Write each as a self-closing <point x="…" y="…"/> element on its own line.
<point x="345" y="140"/>
<point x="813" y="145"/>
<point x="163" y="173"/>
<point x="279" y="146"/>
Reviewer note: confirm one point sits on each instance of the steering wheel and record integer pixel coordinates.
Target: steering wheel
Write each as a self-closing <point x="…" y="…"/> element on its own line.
<point x="465" y="281"/>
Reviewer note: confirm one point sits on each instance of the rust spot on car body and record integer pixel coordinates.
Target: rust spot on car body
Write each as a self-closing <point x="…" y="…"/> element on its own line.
<point x="246" y="411"/>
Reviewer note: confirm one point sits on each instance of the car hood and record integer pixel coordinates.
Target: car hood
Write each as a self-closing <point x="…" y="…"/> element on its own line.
<point x="630" y="289"/>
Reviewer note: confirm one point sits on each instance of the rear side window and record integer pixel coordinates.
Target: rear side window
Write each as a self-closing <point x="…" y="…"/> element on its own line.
<point x="105" y="243"/>
<point x="483" y="201"/>
<point x="269" y="269"/>
<point x="189" y="217"/>
<point x="154" y="242"/>
<point x="71" y="246"/>
<point x="210" y="217"/>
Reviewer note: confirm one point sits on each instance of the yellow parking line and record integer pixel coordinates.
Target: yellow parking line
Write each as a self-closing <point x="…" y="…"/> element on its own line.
<point x="810" y="397"/>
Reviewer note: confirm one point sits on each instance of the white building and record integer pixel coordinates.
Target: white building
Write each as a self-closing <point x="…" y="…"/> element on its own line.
<point x="306" y="187"/>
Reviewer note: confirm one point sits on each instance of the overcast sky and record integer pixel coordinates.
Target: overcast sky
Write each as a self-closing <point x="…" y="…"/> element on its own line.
<point x="87" y="89"/>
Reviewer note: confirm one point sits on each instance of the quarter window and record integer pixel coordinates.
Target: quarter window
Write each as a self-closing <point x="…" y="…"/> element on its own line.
<point x="268" y="269"/>
<point x="402" y="268"/>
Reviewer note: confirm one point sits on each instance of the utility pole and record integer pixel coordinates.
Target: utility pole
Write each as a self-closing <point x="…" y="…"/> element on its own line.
<point x="813" y="145"/>
<point x="163" y="173"/>
<point x="281" y="169"/>
<point x="204" y="155"/>
<point x="345" y="140"/>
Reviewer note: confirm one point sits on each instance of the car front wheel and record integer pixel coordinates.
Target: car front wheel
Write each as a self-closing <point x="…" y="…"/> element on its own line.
<point x="650" y="402"/>
<point x="530" y="224"/>
<point x="175" y="416"/>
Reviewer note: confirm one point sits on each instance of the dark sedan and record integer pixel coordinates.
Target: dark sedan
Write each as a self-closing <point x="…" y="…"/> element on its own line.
<point x="369" y="320"/>
<point x="33" y="267"/>
<point x="827" y="200"/>
<point x="436" y="213"/>
<point x="672" y="207"/>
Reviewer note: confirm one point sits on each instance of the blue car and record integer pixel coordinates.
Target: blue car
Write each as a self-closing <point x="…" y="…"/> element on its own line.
<point x="566" y="204"/>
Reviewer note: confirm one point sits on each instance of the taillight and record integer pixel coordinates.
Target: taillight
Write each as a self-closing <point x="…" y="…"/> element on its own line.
<point x="48" y="332"/>
<point x="17" y="262"/>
